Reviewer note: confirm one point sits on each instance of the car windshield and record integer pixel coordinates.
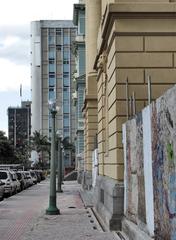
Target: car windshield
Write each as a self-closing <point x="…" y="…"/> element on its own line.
<point x="3" y="175"/>
<point x="19" y="176"/>
<point x="32" y="174"/>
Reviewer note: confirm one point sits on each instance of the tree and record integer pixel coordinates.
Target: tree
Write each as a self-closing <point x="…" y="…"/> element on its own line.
<point x="7" y="154"/>
<point x="40" y="144"/>
<point x="68" y="146"/>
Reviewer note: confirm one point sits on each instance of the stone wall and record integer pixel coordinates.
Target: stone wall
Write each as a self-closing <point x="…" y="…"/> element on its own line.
<point x="150" y="170"/>
<point x="136" y="39"/>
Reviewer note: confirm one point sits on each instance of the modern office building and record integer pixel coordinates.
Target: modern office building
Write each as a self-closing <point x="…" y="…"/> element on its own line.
<point x="19" y="124"/>
<point x="52" y="69"/>
<point x="79" y="46"/>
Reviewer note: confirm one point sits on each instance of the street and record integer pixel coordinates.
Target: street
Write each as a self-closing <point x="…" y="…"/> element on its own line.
<point x="22" y="216"/>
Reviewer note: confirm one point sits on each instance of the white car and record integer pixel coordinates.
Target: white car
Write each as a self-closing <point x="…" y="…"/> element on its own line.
<point x="34" y="176"/>
<point x="16" y="182"/>
<point x="1" y="190"/>
<point x="29" y="178"/>
<point x="9" y="186"/>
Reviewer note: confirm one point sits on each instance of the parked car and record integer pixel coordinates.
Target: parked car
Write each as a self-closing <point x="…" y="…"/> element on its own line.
<point x="34" y="176"/>
<point x="29" y="178"/>
<point x="42" y="174"/>
<point x="1" y="190"/>
<point x="15" y="181"/>
<point x="6" y="178"/>
<point x="38" y="176"/>
<point x="21" y="178"/>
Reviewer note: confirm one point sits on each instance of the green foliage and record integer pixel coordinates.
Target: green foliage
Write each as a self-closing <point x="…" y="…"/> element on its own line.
<point x="40" y="143"/>
<point x="170" y="152"/>
<point x="7" y="154"/>
<point x="67" y="144"/>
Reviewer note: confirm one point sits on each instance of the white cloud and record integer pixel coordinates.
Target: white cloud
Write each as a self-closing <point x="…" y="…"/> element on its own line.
<point x="14" y="45"/>
<point x="15" y="18"/>
<point x="20" y="11"/>
<point x="12" y="75"/>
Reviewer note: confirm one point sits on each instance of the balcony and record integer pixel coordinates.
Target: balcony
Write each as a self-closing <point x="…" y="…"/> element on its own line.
<point x="80" y="38"/>
<point x="80" y="125"/>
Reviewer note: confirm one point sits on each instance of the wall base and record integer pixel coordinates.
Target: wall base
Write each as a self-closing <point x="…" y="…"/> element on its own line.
<point x="80" y="176"/>
<point x="87" y="180"/>
<point x="108" y="199"/>
<point x="133" y="232"/>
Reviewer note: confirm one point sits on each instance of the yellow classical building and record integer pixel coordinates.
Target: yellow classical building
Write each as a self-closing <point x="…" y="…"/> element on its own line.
<point x="125" y="39"/>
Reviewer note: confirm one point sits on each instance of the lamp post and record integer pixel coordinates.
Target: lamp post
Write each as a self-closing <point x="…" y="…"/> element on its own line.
<point x="59" y="169"/>
<point x="52" y="209"/>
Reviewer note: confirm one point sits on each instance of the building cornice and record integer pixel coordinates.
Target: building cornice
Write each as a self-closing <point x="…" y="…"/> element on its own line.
<point x="76" y="9"/>
<point x="87" y="99"/>
<point x="131" y="11"/>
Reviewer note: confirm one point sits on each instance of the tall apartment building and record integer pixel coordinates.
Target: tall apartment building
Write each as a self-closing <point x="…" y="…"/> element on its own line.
<point x="79" y="46"/>
<point x="124" y="40"/>
<point x="19" y="124"/>
<point x="52" y="68"/>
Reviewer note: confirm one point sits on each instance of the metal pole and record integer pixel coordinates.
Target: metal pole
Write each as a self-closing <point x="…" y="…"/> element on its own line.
<point x="59" y="169"/>
<point x="15" y="128"/>
<point x="127" y="101"/>
<point x="149" y="89"/>
<point x="131" y="106"/>
<point x="52" y="209"/>
<point x="134" y="104"/>
<point x="63" y="165"/>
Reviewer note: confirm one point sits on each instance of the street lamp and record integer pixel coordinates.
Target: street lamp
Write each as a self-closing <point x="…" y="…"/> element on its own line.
<point x="59" y="169"/>
<point x="52" y="209"/>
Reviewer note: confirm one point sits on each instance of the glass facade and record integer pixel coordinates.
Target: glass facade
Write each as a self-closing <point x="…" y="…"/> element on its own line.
<point x="60" y="68"/>
<point x="80" y="81"/>
<point x="81" y="59"/>
<point x="81" y="23"/>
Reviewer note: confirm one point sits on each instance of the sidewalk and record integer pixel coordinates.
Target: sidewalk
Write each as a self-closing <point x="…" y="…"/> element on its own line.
<point x="74" y="223"/>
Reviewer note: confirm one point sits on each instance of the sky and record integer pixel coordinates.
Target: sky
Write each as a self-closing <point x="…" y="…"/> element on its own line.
<point x="15" y="18"/>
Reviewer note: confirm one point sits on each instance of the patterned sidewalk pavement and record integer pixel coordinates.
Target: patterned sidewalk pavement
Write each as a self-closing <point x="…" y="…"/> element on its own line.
<point x="22" y="216"/>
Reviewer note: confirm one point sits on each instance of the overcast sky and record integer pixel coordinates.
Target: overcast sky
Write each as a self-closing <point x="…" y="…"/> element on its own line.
<point x="15" y="18"/>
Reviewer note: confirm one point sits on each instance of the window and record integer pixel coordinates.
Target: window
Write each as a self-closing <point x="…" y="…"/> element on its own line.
<point x="58" y="47"/>
<point x="66" y="54"/>
<point x="66" y="108"/>
<point x="51" y="40"/>
<point x="51" y="54"/>
<point x="66" y="82"/>
<point x="51" y="75"/>
<point x="81" y="23"/>
<point x="66" y="68"/>
<point x="66" y="94"/>
<point x="66" y="62"/>
<point x="81" y="60"/>
<point x="52" y="82"/>
<point x="3" y="175"/>
<point x="51" y="61"/>
<point x="58" y="31"/>
<point x="49" y="121"/>
<point x="66" y="39"/>
<point x="51" y="94"/>
<point x="66" y="74"/>
<point x="66" y="131"/>
<point x="80" y="102"/>
<point x="52" y="68"/>
<point x="66" y="122"/>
